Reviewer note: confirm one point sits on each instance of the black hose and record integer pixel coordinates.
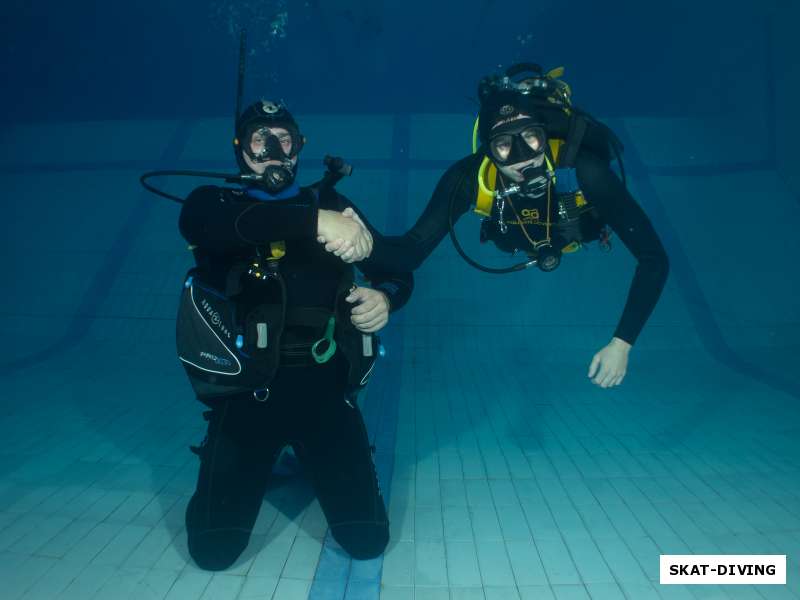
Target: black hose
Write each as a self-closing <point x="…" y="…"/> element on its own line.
<point x="460" y="250"/>
<point x="143" y="180"/>
<point x="336" y="169"/>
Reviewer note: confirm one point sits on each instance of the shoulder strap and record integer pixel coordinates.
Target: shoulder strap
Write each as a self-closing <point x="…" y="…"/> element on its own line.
<point x="575" y="133"/>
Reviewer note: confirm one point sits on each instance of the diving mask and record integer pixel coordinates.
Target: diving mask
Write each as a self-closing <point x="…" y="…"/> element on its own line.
<point x="516" y="141"/>
<point x="272" y="143"/>
<point x="277" y="146"/>
<point x="519" y="141"/>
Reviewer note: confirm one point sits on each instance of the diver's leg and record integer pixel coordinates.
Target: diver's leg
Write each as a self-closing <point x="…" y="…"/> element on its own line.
<point x="236" y="460"/>
<point x="335" y="451"/>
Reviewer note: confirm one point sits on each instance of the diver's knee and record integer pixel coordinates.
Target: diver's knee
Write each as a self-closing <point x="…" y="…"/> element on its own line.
<point x="362" y="541"/>
<point x="217" y="550"/>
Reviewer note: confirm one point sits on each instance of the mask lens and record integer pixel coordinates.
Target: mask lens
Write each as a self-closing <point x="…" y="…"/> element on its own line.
<point x="258" y="143"/>
<point x="286" y="142"/>
<point x="534" y="137"/>
<point x="501" y="147"/>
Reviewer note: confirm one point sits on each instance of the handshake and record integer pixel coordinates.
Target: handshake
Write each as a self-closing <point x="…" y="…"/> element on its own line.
<point x="344" y="234"/>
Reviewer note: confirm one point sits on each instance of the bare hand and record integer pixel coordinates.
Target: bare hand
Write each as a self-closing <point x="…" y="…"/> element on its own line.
<point x="351" y="214"/>
<point x="372" y="311"/>
<point x="610" y="364"/>
<point x="343" y="235"/>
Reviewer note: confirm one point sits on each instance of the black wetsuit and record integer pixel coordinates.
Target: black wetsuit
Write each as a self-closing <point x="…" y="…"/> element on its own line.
<point x="601" y="187"/>
<point x="306" y="407"/>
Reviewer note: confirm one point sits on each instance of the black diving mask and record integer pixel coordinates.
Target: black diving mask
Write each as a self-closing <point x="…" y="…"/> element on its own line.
<point x="280" y="145"/>
<point x="517" y="141"/>
<point x="265" y="143"/>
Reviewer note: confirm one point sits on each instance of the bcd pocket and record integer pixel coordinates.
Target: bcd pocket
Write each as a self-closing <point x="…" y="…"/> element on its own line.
<point x="221" y="352"/>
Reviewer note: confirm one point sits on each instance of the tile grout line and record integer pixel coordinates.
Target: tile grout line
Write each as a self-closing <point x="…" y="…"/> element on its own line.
<point x="383" y="423"/>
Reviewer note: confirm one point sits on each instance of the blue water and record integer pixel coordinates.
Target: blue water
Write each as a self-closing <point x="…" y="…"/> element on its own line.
<point x="506" y="472"/>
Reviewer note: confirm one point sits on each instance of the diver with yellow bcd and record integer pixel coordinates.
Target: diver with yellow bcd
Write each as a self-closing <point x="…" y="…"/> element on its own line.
<point x="541" y="178"/>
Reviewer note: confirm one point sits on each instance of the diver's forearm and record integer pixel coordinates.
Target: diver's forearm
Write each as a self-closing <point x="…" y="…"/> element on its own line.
<point x="646" y="287"/>
<point x="212" y="218"/>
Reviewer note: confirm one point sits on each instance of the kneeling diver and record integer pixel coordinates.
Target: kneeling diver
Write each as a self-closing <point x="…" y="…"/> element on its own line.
<point x="277" y="339"/>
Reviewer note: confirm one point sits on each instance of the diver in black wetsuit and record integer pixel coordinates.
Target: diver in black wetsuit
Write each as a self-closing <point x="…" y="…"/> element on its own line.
<point x="543" y="182"/>
<point x="306" y="344"/>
